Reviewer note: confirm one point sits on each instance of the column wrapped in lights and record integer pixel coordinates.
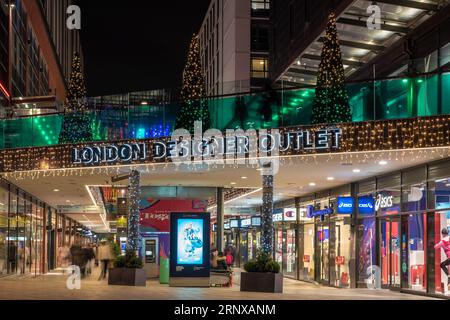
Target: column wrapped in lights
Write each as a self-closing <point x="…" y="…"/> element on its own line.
<point x="134" y="193"/>
<point x="266" y="215"/>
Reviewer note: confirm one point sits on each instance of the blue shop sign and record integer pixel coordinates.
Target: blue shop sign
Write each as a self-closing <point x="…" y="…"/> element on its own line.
<point x="311" y="213"/>
<point x="366" y="205"/>
<point x="345" y="205"/>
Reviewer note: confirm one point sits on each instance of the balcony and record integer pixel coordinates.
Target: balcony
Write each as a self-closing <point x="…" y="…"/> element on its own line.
<point x="395" y="98"/>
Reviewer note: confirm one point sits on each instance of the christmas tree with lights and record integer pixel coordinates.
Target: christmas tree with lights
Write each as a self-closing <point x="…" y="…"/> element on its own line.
<point x="193" y="105"/>
<point x="76" y="126"/>
<point x="331" y="102"/>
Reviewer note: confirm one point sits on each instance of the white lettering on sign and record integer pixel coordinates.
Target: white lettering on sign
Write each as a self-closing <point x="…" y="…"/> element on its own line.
<point x="383" y="202"/>
<point x="109" y="154"/>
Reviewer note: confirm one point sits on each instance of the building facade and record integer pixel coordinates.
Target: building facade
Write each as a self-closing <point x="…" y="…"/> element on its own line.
<point x="234" y="46"/>
<point x="37" y="49"/>
<point x="412" y="39"/>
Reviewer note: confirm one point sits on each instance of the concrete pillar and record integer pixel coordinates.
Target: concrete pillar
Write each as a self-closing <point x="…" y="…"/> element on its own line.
<point x="266" y="215"/>
<point x="134" y="192"/>
<point x="220" y="219"/>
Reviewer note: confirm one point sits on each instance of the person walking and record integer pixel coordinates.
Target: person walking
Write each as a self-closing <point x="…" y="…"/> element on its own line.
<point x="105" y="255"/>
<point x="445" y="245"/>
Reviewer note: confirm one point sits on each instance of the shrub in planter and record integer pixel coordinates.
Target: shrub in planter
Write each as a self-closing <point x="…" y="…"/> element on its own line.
<point x="263" y="263"/>
<point x="263" y="275"/>
<point x="127" y="271"/>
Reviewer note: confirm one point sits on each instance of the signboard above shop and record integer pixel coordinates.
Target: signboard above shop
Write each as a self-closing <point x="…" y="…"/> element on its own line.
<point x="285" y="214"/>
<point x="246" y="223"/>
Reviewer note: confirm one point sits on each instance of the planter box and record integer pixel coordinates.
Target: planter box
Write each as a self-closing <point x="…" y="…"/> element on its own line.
<point x="262" y="282"/>
<point x="127" y="277"/>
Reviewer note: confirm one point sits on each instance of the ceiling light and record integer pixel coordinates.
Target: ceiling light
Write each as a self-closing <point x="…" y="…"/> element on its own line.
<point x="233" y="183"/>
<point x="383" y="163"/>
<point x="68" y="201"/>
<point x="244" y="178"/>
<point x="356" y="170"/>
<point x="56" y="190"/>
<point x="312" y="184"/>
<point x="330" y="179"/>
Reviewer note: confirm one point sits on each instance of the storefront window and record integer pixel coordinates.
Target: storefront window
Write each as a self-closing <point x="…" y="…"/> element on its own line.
<point x="441" y="221"/>
<point x="4" y="197"/>
<point x="323" y="240"/>
<point x="279" y="245"/>
<point x="291" y="265"/>
<point x="307" y="258"/>
<point x="417" y="252"/>
<point x="12" y="234"/>
<point x="342" y="229"/>
<point x="251" y="246"/>
<point x="366" y="237"/>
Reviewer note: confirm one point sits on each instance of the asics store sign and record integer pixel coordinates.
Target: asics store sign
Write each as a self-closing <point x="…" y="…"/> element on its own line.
<point x="384" y="202"/>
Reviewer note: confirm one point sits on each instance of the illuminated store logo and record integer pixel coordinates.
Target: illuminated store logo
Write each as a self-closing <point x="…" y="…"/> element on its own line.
<point x="345" y="205"/>
<point x="311" y="213"/>
<point x="366" y="205"/>
<point x="110" y="154"/>
<point x="277" y="217"/>
<point x="384" y="202"/>
<point x="246" y="223"/>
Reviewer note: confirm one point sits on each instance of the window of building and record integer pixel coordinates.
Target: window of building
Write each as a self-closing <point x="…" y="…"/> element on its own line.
<point x="260" y="4"/>
<point x="441" y="221"/>
<point x="4" y="201"/>
<point x="260" y="68"/>
<point x="260" y="38"/>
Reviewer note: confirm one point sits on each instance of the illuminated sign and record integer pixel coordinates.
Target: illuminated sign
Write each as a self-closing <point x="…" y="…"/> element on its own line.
<point x="241" y="144"/>
<point x="277" y="217"/>
<point x="311" y="213"/>
<point x="384" y="202"/>
<point x="226" y="226"/>
<point x="189" y="246"/>
<point x="246" y="223"/>
<point x="123" y="153"/>
<point x="366" y="205"/>
<point x="256" y="221"/>
<point x="290" y="214"/>
<point x="345" y="205"/>
<point x="234" y="223"/>
<point x="190" y="241"/>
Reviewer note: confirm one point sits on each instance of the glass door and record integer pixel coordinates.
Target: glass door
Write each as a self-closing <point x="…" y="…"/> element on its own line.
<point x="323" y="241"/>
<point x="390" y="253"/>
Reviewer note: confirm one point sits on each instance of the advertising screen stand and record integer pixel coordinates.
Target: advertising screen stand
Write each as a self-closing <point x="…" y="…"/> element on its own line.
<point x="189" y="249"/>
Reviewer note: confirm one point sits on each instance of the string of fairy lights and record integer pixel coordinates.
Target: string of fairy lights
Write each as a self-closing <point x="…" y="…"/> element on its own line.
<point x="331" y="104"/>
<point x="134" y="192"/>
<point x="363" y="137"/>
<point x="193" y="106"/>
<point x="76" y="125"/>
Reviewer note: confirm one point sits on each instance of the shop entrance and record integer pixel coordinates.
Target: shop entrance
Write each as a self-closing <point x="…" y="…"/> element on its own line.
<point x="323" y="253"/>
<point x="389" y="253"/>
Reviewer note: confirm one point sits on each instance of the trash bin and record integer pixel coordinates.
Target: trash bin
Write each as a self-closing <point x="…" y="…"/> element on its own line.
<point x="164" y="271"/>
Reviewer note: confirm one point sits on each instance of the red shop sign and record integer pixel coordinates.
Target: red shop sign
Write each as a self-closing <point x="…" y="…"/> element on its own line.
<point x="340" y="261"/>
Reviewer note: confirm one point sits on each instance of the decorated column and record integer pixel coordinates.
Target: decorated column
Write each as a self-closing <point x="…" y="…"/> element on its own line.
<point x="134" y="192"/>
<point x="267" y="211"/>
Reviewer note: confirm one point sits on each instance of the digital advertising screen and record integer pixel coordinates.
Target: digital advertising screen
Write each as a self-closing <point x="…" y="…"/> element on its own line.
<point x="189" y="245"/>
<point x="190" y="241"/>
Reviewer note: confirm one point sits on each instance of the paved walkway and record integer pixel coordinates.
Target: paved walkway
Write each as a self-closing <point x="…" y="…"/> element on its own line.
<point x="53" y="287"/>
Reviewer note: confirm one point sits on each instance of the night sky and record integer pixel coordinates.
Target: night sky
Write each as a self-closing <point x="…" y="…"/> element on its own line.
<point x="137" y="45"/>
